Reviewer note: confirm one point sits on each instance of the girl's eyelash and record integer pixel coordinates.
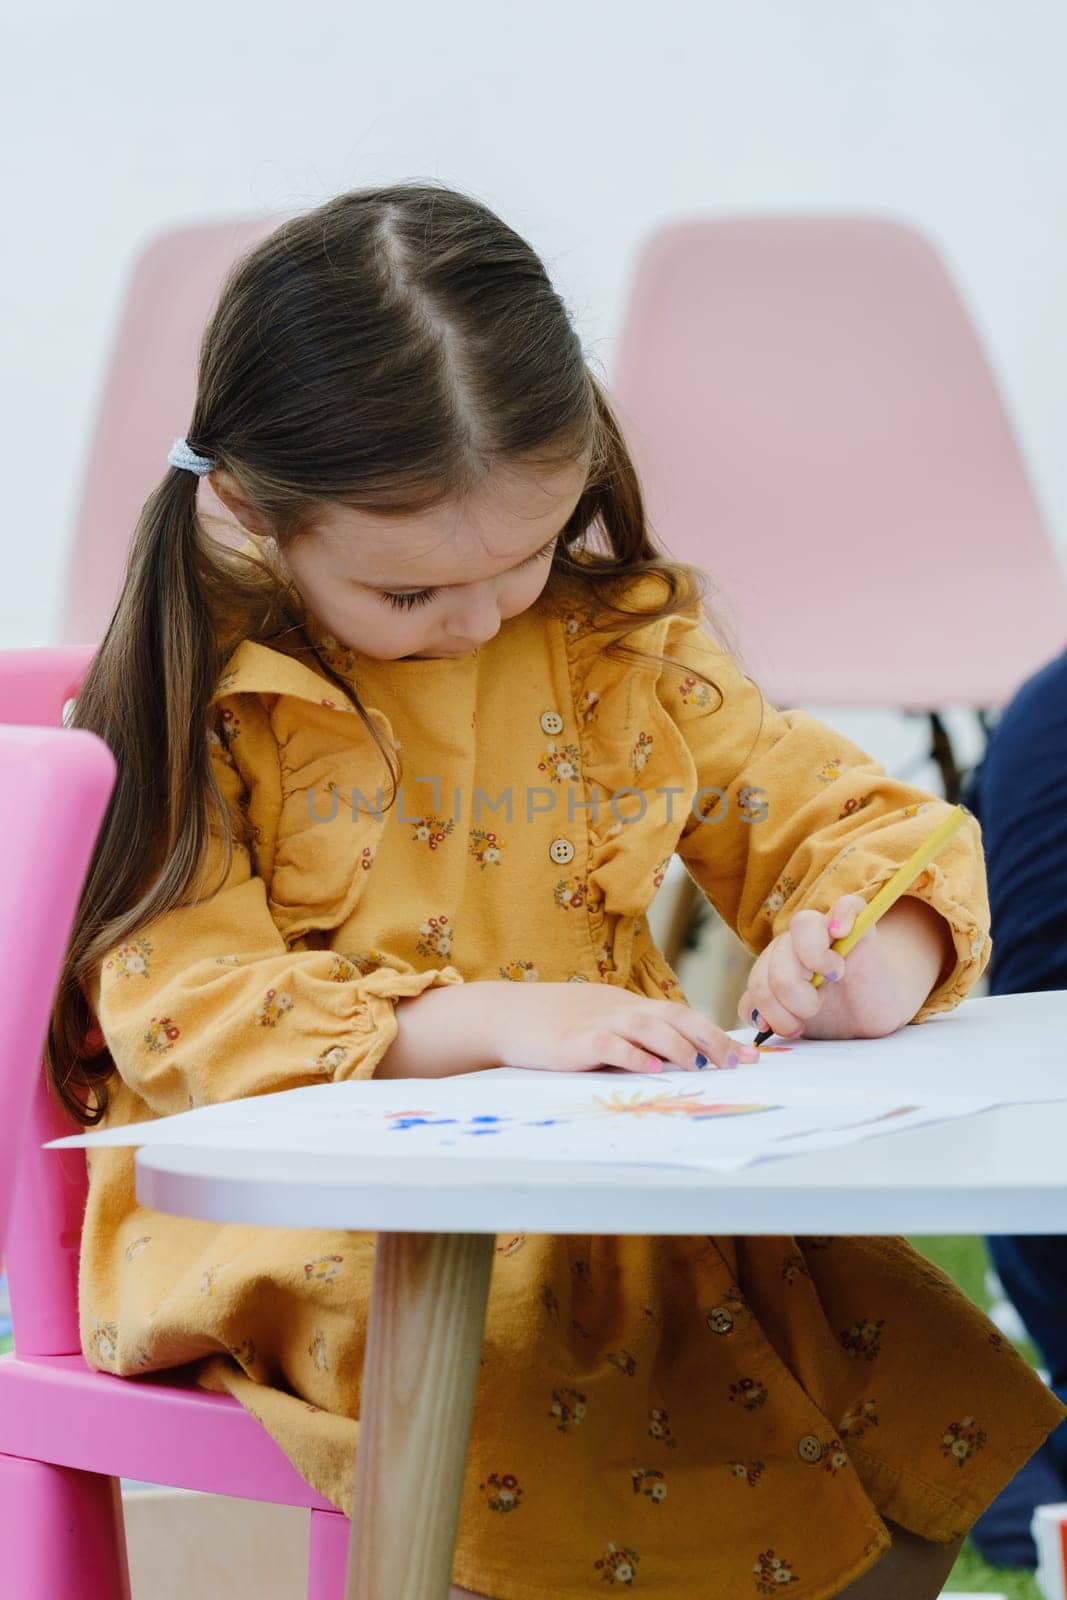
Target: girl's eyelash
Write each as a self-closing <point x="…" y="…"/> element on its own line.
<point x="419" y="597"/>
<point x="403" y="601"/>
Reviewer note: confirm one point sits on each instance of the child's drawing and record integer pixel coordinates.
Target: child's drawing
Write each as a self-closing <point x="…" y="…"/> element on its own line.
<point x="676" y="1102"/>
<point x="690" y="1104"/>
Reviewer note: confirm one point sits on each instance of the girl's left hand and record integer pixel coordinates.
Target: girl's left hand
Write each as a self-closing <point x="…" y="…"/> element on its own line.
<point x="858" y="990"/>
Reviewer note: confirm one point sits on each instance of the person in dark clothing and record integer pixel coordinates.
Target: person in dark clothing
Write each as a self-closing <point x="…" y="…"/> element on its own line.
<point x="1017" y="792"/>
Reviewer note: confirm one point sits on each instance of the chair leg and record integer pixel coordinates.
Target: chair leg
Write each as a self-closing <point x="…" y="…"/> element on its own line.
<point x="327" y="1555"/>
<point x="61" y="1533"/>
<point x="942" y="752"/>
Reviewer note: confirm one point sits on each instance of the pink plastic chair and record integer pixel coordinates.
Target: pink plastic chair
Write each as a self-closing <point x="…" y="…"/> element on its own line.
<point x="67" y="1434"/>
<point x="54" y="789"/>
<point x="145" y="403"/>
<point x="815" y="423"/>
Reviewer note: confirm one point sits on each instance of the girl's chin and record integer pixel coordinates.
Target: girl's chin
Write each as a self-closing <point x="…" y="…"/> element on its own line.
<point x="436" y="655"/>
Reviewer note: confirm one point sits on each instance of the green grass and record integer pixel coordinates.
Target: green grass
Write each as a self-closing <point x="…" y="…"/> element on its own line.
<point x="973" y="1576"/>
<point x="965" y="1260"/>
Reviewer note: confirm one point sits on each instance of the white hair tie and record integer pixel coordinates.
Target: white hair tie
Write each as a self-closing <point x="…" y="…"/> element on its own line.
<point x="181" y="455"/>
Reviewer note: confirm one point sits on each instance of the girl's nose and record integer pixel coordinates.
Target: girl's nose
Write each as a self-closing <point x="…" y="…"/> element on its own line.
<point x="477" y="616"/>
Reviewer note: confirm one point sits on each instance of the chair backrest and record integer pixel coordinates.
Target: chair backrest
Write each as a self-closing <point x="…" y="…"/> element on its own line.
<point x="814" y="423"/>
<point x="145" y="403"/>
<point x="55" y="784"/>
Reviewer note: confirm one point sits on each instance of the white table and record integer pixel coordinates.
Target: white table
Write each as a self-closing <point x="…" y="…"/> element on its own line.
<point x="1000" y="1171"/>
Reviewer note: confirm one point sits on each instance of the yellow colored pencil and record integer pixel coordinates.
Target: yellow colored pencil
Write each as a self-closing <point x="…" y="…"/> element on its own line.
<point x="891" y="892"/>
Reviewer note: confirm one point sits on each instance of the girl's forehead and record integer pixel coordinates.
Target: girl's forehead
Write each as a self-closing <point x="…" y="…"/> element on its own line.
<point x="502" y="524"/>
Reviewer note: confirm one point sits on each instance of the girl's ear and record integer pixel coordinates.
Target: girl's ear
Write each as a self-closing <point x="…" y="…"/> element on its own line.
<point x="226" y="489"/>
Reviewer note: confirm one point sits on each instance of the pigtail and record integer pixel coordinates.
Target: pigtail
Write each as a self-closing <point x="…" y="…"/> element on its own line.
<point x="145" y="694"/>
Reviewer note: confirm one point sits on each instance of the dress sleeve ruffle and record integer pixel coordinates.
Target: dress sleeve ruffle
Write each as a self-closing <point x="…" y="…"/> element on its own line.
<point x="315" y="783"/>
<point x="771" y="811"/>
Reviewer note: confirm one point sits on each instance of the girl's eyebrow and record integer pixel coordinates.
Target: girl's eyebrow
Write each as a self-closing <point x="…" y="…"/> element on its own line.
<point x="414" y="588"/>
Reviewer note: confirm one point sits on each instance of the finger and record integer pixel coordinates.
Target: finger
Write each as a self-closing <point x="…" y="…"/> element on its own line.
<point x="603" y="1047"/>
<point x="782" y="1029"/>
<point x="810" y="938"/>
<point x="842" y="915"/>
<point x="752" y="1009"/>
<point x="790" y="985"/>
<point x="712" y="1041"/>
<point x="747" y="1015"/>
<point x="778" y="997"/>
<point x="762" y="1007"/>
<point x="717" y="1049"/>
<point x="692" y="1042"/>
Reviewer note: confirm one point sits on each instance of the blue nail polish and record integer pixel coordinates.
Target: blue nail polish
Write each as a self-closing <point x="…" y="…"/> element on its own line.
<point x="832" y="977"/>
<point x="755" y="1018"/>
<point x="702" y="1061"/>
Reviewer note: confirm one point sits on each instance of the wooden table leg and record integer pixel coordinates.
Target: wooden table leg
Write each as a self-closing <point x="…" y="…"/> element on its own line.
<point x="420" y="1372"/>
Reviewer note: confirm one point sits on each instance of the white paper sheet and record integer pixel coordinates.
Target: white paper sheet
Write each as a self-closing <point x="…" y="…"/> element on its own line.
<point x="1010" y="1049"/>
<point x="809" y="1096"/>
<point x="591" y="1117"/>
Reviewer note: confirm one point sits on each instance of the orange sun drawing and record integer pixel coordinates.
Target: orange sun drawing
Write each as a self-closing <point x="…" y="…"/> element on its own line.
<point x="680" y="1102"/>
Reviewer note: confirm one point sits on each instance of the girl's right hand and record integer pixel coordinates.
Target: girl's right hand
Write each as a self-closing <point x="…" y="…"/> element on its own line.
<point x="577" y="1027"/>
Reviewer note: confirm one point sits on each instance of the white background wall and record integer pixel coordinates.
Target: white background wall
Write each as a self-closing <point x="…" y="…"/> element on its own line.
<point x="583" y="124"/>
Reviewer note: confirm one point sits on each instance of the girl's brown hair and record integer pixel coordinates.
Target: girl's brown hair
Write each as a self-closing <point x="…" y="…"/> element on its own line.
<point x="386" y="351"/>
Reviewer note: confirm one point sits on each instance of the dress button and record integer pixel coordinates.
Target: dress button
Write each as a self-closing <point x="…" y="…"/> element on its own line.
<point x="561" y="851"/>
<point x="720" y="1320"/>
<point x="810" y="1448"/>
<point x="551" y="722"/>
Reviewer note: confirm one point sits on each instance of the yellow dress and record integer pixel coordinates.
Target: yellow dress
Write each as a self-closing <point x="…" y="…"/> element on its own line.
<point x="728" y="1417"/>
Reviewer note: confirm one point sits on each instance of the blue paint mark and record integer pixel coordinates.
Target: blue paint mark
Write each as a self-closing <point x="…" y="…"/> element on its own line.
<point x="476" y="1133"/>
<point x="422" y="1122"/>
<point x="487" y="1119"/>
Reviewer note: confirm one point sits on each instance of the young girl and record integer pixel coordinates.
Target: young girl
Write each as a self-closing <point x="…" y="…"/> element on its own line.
<point x="449" y="594"/>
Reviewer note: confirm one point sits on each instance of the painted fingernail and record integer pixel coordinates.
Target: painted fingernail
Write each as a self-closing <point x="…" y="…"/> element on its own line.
<point x="733" y="1059"/>
<point x="702" y="1061"/>
<point x="755" y="1018"/>
<point x="749" y="1053"/>
<point x="834" y="929"/>
<point x="832" y="977"/>
<point x="654" y="1066"/>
